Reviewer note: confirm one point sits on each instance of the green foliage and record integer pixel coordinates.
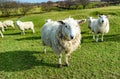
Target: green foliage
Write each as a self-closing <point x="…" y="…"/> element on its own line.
<point x="22" y="57"/>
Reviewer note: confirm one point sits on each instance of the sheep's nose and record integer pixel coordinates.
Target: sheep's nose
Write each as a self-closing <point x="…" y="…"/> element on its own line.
<point x="71" y="36"/>
<point x="102" y="21"/>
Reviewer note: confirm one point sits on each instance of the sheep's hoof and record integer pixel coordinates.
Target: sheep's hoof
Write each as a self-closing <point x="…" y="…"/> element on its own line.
<point x="66" y="64"/>
<point x="96" y="40"/>
<point x="101" y="40"/>
<point x="59" y="65"/>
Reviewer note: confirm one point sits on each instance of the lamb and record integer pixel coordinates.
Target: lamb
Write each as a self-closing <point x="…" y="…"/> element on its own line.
<point x="25" y="25"/>
<point x="100" y="25"/>
<point x="8" y="23"/>
<point x="62" y="36"/>
<point x="2" y="29"/>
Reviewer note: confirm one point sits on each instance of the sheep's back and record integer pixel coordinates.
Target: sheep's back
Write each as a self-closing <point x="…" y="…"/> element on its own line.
<point x="27" y="25"/>
<point x="8" y="22"/>
<point x="48" y="33"/>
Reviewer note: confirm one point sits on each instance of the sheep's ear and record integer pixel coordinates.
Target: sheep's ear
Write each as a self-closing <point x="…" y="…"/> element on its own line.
<point x="99" y="15"/>
<point x="107" y="16"/>
<point x="61" y="22"/>
<point x="81" y="21"/>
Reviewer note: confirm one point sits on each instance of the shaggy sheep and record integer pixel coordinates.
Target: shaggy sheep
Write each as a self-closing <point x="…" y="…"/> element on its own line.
<point x="62" y="36"/>
<point x="100" y="25"/>
<point x="8" y="23"/>
<point x="2" y="29"/>
<point x="25" y="25"/>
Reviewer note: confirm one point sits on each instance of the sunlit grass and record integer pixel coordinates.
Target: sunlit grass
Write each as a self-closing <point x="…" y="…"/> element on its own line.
<point x="22" y="57"/>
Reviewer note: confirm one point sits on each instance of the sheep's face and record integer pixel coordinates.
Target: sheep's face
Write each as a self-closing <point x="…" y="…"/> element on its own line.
<point x="70" y="28"/>
<point x="18" y="22"/>
<point x="102" y="19"/>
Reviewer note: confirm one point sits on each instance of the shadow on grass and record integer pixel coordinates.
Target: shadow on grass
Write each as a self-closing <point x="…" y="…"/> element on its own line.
<point x="113" y="37"/>
<point x="21" y="60"/>
<point x="29" y="38"/>
<point x="13" y="34"/>
<point x="83" y="32"/>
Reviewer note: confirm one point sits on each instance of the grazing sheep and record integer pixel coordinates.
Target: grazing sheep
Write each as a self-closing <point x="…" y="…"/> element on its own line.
<point x="8" y="23"/>
<point x="100" y="25"/>
<point x="25" y="25"/>
<point x="2" y="29"/>
<point x="62" y="36"/>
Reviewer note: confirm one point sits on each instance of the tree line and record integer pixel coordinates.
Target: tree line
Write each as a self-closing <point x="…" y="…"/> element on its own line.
<point x="12" y="7"/>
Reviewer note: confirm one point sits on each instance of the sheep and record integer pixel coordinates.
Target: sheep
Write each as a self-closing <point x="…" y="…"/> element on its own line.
<point x="8" y="23"/>
<point x="62" y="36"/>
<point x="100" y="25"/>
<point x="2" y="29"/>
<point x="25" y="25"/>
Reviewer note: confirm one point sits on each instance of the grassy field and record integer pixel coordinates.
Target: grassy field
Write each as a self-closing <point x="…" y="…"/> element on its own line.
<point x="22" y="57"/>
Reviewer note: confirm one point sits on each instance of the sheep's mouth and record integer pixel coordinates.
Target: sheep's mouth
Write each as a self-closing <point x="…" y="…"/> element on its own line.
<point x="89" y="27"/>
<point x="68" y="39"/>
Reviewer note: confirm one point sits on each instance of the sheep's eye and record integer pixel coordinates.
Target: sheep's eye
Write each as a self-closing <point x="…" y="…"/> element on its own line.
<point x="66" y="26"/>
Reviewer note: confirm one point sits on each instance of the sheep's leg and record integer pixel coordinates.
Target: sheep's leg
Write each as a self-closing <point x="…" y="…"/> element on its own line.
<point x="33" y="30"/>
<point x="1" y="34"/>
<point x="13" y="26"/>
<point x="102" y="37"/>
<point x="97" y="37"/>
<point x="45" y="49"/>
<point x="93" y="35"/>
<point x="67" y="56"/>
<point x="59" y="61"/>
<point x="3" y="29"/>
<point x="22" y="32"/>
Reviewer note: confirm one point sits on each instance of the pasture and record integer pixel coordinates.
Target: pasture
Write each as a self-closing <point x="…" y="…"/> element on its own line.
<point x="22" y="57"/>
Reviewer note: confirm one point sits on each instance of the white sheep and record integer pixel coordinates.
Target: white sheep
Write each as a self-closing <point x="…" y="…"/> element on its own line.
<point x="2" y="29"/>
<point x="100" y="25"/>
<point x="25" y="25"/>
<point x="62" y="36"/>
<point x="8" y="23"/>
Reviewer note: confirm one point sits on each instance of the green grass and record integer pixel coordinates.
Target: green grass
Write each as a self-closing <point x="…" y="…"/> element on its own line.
<point x="22" y="57"/>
